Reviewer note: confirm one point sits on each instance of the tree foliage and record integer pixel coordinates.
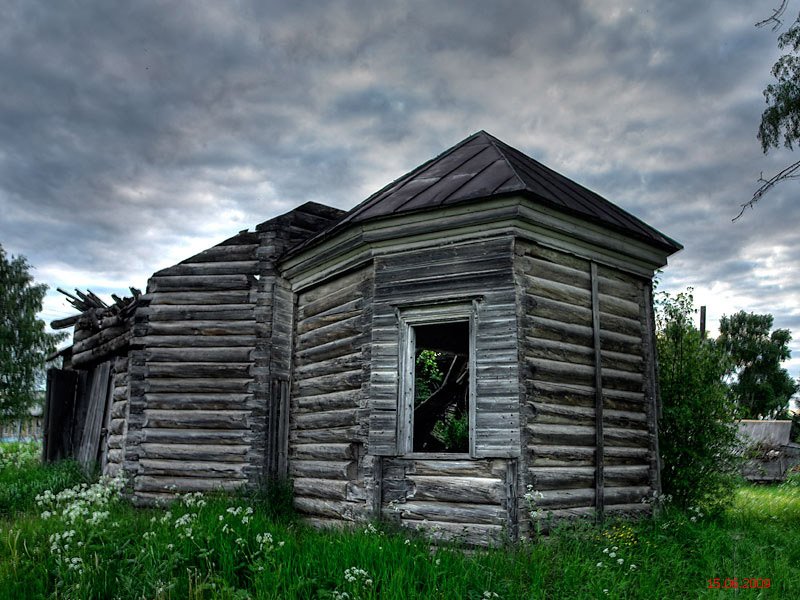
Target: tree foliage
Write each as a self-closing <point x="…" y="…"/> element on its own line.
<point x="697" y="429"/>
<point x="762" y="388"/>
<point x="24" y="343"/>
<point x="780" y="121"/>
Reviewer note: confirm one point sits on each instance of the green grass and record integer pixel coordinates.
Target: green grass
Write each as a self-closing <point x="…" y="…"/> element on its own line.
<point x="22" y="476"/>
<point x="220" y="550"/>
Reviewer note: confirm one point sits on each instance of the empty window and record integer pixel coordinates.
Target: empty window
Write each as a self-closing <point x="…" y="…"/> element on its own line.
<point x="441" y="388"/>
<point x="437" y="380"/>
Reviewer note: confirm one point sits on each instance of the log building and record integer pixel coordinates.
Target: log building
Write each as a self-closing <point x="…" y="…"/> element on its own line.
<point x="480" y="325"/>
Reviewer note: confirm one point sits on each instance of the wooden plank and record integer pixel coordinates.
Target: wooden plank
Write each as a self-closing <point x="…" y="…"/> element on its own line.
<point x="204" y="283"/>
<point x="191" y="468"/>
<point x="239" y="354"/>
<point x="200" y="328"/>
<point x="598" y="386"/>
<point x="476" y="490"/>
<point x="199" y="341"/>
<point x="99" y="390"/>
<point x="239" y="297"/>
<point x="181" y="485"/>
<point x="198" y="384"/>
<point x="197" y="400"/>
<point x="211" y="419"/>
<point x="452" y="512"/>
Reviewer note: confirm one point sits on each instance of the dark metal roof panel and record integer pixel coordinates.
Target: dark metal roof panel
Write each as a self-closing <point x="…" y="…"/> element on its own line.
<point x="483" y="167"/>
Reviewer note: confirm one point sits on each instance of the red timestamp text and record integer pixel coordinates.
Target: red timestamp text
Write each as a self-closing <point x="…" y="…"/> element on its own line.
<point x="738" y="583"/>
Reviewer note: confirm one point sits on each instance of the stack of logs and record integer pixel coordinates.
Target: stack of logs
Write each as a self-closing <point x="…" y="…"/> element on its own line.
<point x="100" y="329"/>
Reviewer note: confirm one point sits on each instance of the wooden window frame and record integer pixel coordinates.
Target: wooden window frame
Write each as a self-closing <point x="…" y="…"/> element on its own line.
<point x="433" y="314"/>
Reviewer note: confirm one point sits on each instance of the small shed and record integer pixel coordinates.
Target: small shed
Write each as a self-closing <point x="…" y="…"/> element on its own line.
<point x="480" y="325"/>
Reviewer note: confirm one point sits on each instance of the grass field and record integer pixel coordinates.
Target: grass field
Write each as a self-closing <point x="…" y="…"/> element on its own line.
<point x="79" y="540"/>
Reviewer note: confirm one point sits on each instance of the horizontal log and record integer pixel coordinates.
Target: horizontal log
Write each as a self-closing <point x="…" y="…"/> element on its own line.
<point x="332" y="349"/>
<point x="560" y="478"/>
<point x="309" y="370"/>
<point x="326" y="419"/>
<point x="198" y="282"/>
<point x="322" y="451"/>
<point x="198" y="401"/>
<point x="541" y="348"/>
<point x="238" y="297"/>
<point x="199" y="312"/>
<point x="65" y="322"/>
<point x="349" y="282"/>
<point x="195" y="452"/>
<point x="555" y="265"/>
<point x="340" y="510"/>
<point x="199" y="341"/>
<point x="198" y="384"/>
<point x="583" y="395"/>
<point x="191" y="468"/>
<point x="332" y="434"/>
<point x="232" y="267"/>
<point x="330" y="489"/>
<point x="474" y="490"/>
<point x="201" y="328"/>
<point x="560" y="311"/>
<point x="449" y="467"/>
<point x="212" y="419"/>
<point x="98" y="338"/>
<point x="329" y="333"/>
<point x="204" y="355"/>
<point x="561" y="456"/>
<point x="623" y="325"/>
<point x="119" y="409"/>
<point x="557" y="290"/>
<point x="450" y="512"/>
<point x="198" y="369"/>
<point x="469" y="534"/>
<point x="573" y="435"/>
<point x="196" y="436"/>
<point x="182" y="485"/>
<point x="554" y="371"/>
<point x="323" y="469"/>
<point x="350" y="310"/>
<point x="332" y="401"/>
<point x="620" y="307"/>
<point x="225" y="253"/>
<point x="326" y="384"/>
<point x="585" y="497"/>
<point x="620" y="436"/>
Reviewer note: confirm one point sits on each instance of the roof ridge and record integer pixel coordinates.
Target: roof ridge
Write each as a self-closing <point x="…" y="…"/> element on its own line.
<point x="494" y="142"/>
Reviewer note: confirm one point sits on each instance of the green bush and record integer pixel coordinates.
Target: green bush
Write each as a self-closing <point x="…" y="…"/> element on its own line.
<point x="697" y="428"/>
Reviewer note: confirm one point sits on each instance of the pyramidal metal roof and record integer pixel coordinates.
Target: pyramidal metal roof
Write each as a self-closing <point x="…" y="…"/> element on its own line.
<point x="483" y="167"/>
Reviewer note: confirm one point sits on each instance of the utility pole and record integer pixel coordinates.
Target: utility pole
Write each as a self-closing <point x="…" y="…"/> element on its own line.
<point x="702" y="322"/>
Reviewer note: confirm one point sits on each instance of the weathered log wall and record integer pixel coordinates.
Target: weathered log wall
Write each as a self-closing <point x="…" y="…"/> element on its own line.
<point x="190" y="371"/>
<point x="458" y="496"/>
<point x="327" y="461"/>
<point x="460" y="499"/>
<point x="571" y="312"/>
<point x="209" y="364"/>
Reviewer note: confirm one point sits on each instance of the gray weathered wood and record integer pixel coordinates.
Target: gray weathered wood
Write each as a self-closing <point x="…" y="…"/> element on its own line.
<point x="598" y="386"/>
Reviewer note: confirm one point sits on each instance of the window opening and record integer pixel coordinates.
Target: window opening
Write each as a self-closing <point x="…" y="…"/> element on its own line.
<point x="441" y="387"/>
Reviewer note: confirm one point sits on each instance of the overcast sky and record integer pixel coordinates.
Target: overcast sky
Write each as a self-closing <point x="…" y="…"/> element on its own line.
<point x="135" y="134"/>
